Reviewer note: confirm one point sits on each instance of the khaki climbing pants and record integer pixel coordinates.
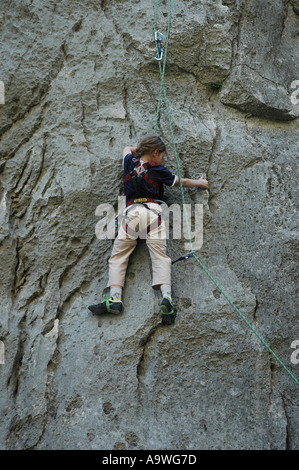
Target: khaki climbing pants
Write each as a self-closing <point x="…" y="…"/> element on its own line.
<point x="141" y="222"/>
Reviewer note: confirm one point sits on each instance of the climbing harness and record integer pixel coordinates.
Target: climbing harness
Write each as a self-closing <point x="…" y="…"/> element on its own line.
<point x="140" y="171"/>
<point x="136" y="175"/>
<point x="163" y="91"/>
<point x="143" y="201"/>
<point x="157" y="222"/>
<point x="158" y="40"/>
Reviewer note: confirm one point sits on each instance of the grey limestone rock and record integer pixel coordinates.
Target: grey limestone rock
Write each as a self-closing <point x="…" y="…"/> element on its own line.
<point x="81" y="82"/>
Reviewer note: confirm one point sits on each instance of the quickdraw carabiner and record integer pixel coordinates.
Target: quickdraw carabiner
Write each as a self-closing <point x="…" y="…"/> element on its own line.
<point x="158" y="40"/>
<point x="188" y="255"/>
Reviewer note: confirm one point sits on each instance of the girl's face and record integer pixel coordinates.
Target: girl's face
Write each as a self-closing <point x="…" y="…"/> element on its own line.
<point x="157" y="157"/>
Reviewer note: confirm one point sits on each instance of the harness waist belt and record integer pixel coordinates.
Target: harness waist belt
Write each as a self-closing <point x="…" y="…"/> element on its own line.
<point x="142" y="200"/>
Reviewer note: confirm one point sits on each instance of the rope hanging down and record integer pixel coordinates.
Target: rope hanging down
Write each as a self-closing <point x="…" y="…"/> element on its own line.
<point x="163" y="91"/>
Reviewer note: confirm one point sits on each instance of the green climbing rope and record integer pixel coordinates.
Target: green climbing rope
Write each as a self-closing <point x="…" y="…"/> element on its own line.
<point x="163" y="91"/>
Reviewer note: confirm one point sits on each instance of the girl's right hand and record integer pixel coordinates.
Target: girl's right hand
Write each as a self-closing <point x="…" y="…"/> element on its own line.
<point x="203" y="182"/>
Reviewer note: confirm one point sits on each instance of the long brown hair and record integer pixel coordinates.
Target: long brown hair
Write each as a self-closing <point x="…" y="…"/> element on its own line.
<point x="149" y="144"/>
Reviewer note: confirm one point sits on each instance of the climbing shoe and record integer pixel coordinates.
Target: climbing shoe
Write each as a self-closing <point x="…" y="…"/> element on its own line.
<point x="167" y="311"/>
<point x="108" y="306"/>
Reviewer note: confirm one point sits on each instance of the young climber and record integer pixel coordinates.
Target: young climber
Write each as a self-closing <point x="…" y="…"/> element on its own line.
<point x="144" y="178"/>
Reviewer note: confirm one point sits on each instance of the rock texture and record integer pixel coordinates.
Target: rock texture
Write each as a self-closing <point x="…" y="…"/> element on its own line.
<point x="80" y="83"/>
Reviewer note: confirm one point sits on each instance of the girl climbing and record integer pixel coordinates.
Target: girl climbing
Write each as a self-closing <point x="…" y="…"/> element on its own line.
<point x="144" y="178"/>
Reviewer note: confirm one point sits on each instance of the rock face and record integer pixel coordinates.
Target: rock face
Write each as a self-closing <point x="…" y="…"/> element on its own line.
<point x="81" y="82"/>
